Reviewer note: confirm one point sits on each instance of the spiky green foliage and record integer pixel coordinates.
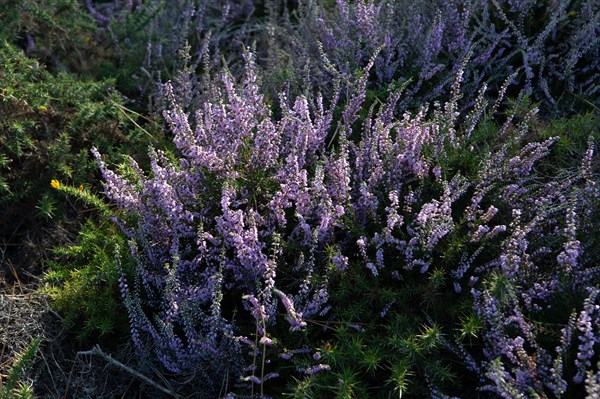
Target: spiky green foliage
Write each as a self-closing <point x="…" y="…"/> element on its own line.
<point x="83" y="281"/>
<point x="15" y="386"/>
<point x="83" y="278"/>
<point x="574" y="133"/>
<point x="48" y="122"/>
<point x="58" y="32"/>
<point x="375" y="356"/>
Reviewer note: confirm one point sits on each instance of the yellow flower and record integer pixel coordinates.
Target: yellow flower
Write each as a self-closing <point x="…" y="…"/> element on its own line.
<point x="81" y="187"/>
<point x="55" y="184"/>
<point x="43" y="108"/>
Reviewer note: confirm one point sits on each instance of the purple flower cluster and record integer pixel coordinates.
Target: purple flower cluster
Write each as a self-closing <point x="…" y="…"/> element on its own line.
<point x="548" y="45"/>
<point x="524" y="286"/>
<point x="209" y="225"/>
<point x="212" y="221"/>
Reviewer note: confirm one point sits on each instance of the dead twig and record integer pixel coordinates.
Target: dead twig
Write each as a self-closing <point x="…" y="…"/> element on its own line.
<point x="97" y="351"/>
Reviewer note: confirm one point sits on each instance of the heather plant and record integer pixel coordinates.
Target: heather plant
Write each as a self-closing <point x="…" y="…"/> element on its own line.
<point x="255" y="217"/>
<point x="146" y="38"/>
<point x="209" y="226"/>
<point x="463" y="264"/>
<point x="426" y="42"/>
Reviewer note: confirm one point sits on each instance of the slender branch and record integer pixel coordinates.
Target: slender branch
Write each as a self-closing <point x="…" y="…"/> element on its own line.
<point x="124" y="111"/>
<point x="584" y="100"/>
<point x="97" y="351"/>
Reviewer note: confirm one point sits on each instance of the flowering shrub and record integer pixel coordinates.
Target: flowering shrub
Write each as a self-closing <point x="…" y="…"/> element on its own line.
<point x="551" y="46"/>
<point x="257" y="216"/>
<point x="145" y="38"/>
<point x="209" y="228"/>
<point x="325" y="244"/>
<point x="438" y="238"/>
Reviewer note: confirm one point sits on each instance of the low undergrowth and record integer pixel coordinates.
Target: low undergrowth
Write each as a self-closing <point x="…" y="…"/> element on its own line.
<point x="349" y="199"/>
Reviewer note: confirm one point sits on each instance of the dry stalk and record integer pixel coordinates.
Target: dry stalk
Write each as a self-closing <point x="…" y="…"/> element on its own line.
<point x="98" y="352"/>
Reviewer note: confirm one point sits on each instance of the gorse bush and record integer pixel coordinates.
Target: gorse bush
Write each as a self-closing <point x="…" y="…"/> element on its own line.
<point x="82" y="278"/>
<point x="15" y="387"/>
<point x="50" y="118"/>
<point x="255" y="218"/>
<point x="83" y="282"/>
<point x="49" y="121"/>
<point x="57" y="33"/>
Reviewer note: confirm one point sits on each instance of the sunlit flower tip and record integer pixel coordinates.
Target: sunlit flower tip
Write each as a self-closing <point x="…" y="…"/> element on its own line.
<point x="55" y="184"/>
<point x="43" y="108"/>
<point x="81" y="187"/>
<point x="267" y="341"/>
